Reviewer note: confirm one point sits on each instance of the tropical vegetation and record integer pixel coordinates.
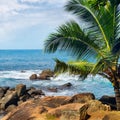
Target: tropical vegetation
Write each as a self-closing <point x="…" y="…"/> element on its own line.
<point x="96" y="34"/>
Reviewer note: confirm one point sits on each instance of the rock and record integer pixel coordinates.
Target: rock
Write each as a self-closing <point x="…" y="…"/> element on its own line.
<point x="112" y="116"/>
<point x="53" y="89"/>
<point x="67" y="85"/>
<point x="66" y="111"/>
<point x="10" y="108"/>
<point x="1" y="92"/>
<point x="5" y="89"/>
<point x="95" y="105"/>
<point x="82" y="97"/>
<point x="25" y="97"/>
<point x="9" y="99"/>
<point x="33" y="77"/>
<point x="30" y="88"/>
<point x="33" y="92"/>
<point x="20" y="89"/>
<point x="54" y="101"/>
<point x="83" y="112"/>
<point x="29" y="110"/>
<point x="109" y="100"/>
<point x="23" y="71"/>
<point x="46" y="74"/>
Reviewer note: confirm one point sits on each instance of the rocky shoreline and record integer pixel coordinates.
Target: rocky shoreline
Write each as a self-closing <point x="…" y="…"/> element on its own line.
<point x="31" y="103"/>
<point x="22" y="103"/>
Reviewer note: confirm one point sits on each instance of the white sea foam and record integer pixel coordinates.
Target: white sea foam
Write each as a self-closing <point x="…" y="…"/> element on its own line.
<point x="95" y="84"/>
<point x="18" y="74"/>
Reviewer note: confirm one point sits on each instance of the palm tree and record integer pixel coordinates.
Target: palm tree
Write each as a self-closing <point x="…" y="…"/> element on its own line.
<point x="96" y="34"/>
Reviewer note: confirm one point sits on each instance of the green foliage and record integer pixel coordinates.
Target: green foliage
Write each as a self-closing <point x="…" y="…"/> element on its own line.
<point x="96" y="34"/>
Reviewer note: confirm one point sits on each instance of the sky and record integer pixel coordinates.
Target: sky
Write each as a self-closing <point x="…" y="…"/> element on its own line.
<point x="26" y="24"/>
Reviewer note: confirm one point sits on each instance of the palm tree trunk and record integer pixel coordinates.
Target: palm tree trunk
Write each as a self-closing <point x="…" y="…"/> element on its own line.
<point x="117" y="95"/>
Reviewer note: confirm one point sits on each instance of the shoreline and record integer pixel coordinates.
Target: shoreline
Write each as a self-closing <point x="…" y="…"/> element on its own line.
<point x="13" y="98"/>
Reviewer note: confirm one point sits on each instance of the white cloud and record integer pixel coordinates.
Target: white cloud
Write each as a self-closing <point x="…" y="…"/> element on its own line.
<point x="16" y="15"/>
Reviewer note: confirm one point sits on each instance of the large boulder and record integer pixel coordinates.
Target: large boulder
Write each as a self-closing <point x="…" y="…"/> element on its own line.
<point x="46" y="74"/>
<point x="33" y="77"/>
<point x="20" y="89"/>
<point x="82" y="97"/>
<point x="109" y="100"/>
<point x="9" y="99"/>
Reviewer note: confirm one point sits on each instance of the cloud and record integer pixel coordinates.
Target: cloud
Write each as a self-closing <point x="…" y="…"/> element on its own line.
<point x="20" y="14"/>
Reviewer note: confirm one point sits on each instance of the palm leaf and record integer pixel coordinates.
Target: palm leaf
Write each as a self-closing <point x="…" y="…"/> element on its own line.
<point x="92" y="19"/>
<point x="82" y="68"/>
<point x="116" y="45"/>
<point x="72" y="38"/>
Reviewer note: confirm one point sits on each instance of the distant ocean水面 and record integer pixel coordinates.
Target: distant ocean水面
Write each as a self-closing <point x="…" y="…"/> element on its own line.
<point x="13" y="62"/>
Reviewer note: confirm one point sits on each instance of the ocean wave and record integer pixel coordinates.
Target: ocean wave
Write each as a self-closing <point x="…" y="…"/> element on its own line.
<point x="95" y="84"/>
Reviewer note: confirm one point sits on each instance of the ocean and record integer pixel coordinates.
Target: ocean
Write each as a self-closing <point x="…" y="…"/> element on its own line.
<point x="13" y="62"/>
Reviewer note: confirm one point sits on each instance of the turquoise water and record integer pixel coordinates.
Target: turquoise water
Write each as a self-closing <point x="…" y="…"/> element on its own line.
<point x="12" y="62"/>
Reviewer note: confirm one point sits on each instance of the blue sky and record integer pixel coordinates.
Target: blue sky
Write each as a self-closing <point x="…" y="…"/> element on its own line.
<point x="25" y="24"/>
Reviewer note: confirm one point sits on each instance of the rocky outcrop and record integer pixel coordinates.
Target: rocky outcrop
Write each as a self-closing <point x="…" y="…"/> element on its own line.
<point x="56" y="108"/>
<point x="44" y="75"/>
<point x="10" y="98"/>
<point x="20" y="89"/>
<point x="24" y="103"/>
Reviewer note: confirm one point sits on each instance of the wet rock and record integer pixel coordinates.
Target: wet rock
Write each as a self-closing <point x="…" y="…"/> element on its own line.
<point x="109" y="100"/>
<point x="82" y="97"/>
<point x="67" y="85"/>
<point x="23" y="71"/>
<point x="46" y="74"/>
<point x="33" y="77"/>
<point x="33" y="92"/>
<point x="53" y="89"/>
<point x="1" y="92"/>
<point x="9" y="99"/>
<point x="20" y="89"/>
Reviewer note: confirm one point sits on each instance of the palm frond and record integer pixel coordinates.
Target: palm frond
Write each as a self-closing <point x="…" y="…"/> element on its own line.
<point x="72" y="38"/>
<point x="92" y="19"/>
<point x="116" y="44"/>
<point x="81" y="68"/>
